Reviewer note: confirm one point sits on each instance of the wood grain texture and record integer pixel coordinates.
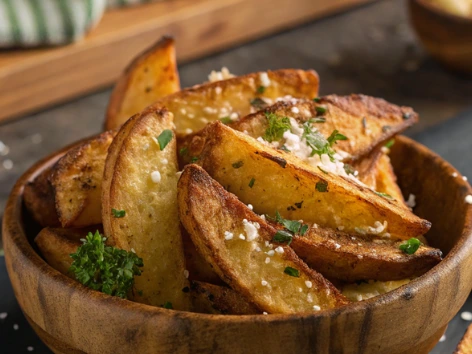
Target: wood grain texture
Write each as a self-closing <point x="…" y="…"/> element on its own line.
<point x="40" y="77"/>
<point x="447" y="37"/>
<point x="410" y="319"/>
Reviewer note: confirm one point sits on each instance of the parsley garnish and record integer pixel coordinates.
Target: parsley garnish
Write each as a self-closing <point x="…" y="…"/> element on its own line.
<point x="318" y="120"/>
<point x="105" y="268"/>
<point x="251" y="182"/>
<point x="278" y="125"/>
<point x="410" y="246"/>
<point x="335" y="136"/>
<point x="258" y="103"/>
<point x="238" y="164"/>
<point x="291" y="225"/>
<point x="292" y="272"/>
<point x="317" y="99"/>
<point x="349" y="169"/>
<point x="318" y="143"/>
<point x="390" y="143"/>
<point x="385" y="195"/>
<point x="183" y="151"/>
<point x="282" y="237"/>
<point x="319" y="168"/>
<point x="321" y="186"/>
<point x="261" y="89"/>
<point x="168" y="305"/>
<point x="284" y="148"/>
<point x="303" y="229"/>
<point x="195" y="159"/>
<point x="164" y="138"/>
<point x="225" y="120"/>
<point x="320" y="110"/>
<point x="118" y="213"/>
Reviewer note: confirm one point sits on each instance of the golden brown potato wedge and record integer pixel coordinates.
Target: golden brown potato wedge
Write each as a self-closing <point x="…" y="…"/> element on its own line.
<point x="367" y="121"/>
<point x="338" y="255"/>
<point x="76" y="180"/>
<point x="215" y="299"/>
<point x="230" y="99"/>
<point x="271" y="276"/>
<point x="274" y="180"/>
<point x="56" y="245"/>
<point x="465" y="345"/>
<point x="39" y="200"/>
<point x="366" y="290"/>
<point x="367" y="168"/>
<point x="386" y="180"/>
<point x="139" y="205"/>
<point x="151" y="75"/>
<point x="199" y="269"/>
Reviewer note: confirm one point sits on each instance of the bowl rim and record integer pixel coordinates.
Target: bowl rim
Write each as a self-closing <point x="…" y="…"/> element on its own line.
<point x="441" y="12"/>
<point x="13" y="229"/>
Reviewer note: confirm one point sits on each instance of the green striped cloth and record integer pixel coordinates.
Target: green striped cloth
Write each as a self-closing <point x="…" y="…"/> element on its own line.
<point x="29" y="23"/>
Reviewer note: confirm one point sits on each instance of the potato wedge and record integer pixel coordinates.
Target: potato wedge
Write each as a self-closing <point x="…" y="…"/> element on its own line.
<point x="151" y="75"/>
<point x="199" y="269"/>
<point x="366" y="290"/>
<point x="367" y="168"/>
<point x="274" y="180"/>
<point x="56" y="245"/>
<point x="368" y="122"/>
<point x="76" y="180"/>
<point x="338" y="255"/>
<point x="465" y="345"/>
<point x="215" y="299"/>
<point x="39" y="200"/>
<point x="276" y="281"/>
<point x="194" y="107"/>
<point x="140" y="181"/>
<point x="386" y="180"/>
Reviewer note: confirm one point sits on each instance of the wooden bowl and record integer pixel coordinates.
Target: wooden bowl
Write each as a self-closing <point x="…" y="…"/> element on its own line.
<point x="70" y="318"/>
<point x="447" y="37"/>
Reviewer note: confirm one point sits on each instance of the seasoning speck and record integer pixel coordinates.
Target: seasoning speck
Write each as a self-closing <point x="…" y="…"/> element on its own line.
<point x="4" y="149"/>
<point x="30" y="348"/>
<point x="454" y="174"/>
<point x="443" y="338"/>
<point x="186" y="273"/>
<point x="316" y="308"/>
<point x="15" y="327"/>
<point x="3" y="315"/>
<point x="8" y="164"/>
<point x="466" y="316"/>
<point x="468" y="199"/>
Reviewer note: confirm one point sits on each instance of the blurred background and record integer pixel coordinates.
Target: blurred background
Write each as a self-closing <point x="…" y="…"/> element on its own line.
<point x="59" y="60"/>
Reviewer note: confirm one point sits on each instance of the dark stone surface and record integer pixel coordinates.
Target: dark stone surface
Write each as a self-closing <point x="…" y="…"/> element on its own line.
<point x="369" y="50"/>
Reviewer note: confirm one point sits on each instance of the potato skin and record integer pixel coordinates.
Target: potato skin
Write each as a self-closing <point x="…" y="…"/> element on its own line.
<point x="150" y="225"/>
<point x="151" y="75"/>
<point x="208" y="211"/>
<point x="284" y="183"/>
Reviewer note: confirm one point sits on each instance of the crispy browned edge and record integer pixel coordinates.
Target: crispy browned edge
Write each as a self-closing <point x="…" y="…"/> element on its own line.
<point x="39" y="200"/>
<point x="116" y="98"/>
<point x="381" y="258"/>
<point x="69" y="159"/>
<point x="465" y="344"/>
<point x="192" y="180"/>
<point x="112" y="157"/>
<point x="216" y="299"/>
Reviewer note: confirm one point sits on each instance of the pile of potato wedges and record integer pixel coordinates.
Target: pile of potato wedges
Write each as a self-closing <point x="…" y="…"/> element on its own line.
<point x="242" y="195"/>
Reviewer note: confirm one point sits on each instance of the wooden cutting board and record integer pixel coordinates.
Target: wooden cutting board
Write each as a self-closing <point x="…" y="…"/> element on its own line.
<point x="36" y="78"/>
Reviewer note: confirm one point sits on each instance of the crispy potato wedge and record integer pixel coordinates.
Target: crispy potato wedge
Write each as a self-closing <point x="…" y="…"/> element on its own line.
<point x="150" y="225"/>
<point x="199" y="269"/>
<point x="215" y="299"/>
<point x="76" y="180"/>
<point x="386" y="180"/>
<point x="366" y="290"/>
<point x="465" y="345"/>
<point x="56" y="245"/>
<point x="274" y="180"/>
<point x="367" y="121"/>
<point x="39" y="200"/>
<point x="194" y="107"/>
<point x="151" y="75"/>
<point x="210" y="214"/>
<point x="367" y="168"/>
<point x="338" y="255"/>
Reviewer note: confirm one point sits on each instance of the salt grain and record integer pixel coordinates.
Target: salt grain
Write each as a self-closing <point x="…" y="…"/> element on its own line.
<point x="16" y="327"/>
<point x="443" y="338"/>
<point x="316" y="308"/>
<point x="3" y="315"/>
<point x="186" y="273"/>
<point x="468" y="199"/>
<point x="466" y="316"/>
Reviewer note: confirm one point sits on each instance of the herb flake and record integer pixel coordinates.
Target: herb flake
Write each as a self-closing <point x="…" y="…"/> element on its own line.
<point x="238" y="164"/>
<point x="410" y="246"/>
<point x="251" y="182"/>
<point x="390" y="143"/>
<point x="322" y="186"/>
<point x="168" y="305"/>
<point x="320" y="109"/>
<point x="118" y="213"/>
<point x="258" y="103"/>
<point x="292" y="272"/>
<point x="282" y="236"/>
<point x="261" y="89"/>
<point x="225" y="120"/>
<point x="278" y="125"/>
<point x="385" y="195"/>
<point x="164" y="138"/>
<point x="183" y="151"/>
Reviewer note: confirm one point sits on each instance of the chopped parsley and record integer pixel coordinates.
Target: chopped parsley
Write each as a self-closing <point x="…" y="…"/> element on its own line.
<point x="317" y="99"/>
<point x="168" y="305"/>
<point x="118" y="213"/>
<point x="258" y="103"/>
<point x="318" y="143"/>
<point x="284" y="148"/>
<point x="183" y="151"/>
<point x="278" y="125"/>
<point x="390" y="143"/>
<point x="410" y="246"/>
<point x="195" y="159"/>
<point x="164" y="138"/>
<point x="293" y="227"/>
<point x="251" y="182"/>
<point x="292" y="272"/>
<point x="261" y="89"/>
<point x="322" y="186"/>
<point x="318" y="120"/>
<point x="335" y="136"/>
<point x="104" y="268"/>
<point x="320" y="110"/>
<point x="225" y="120"/>
<point x="349" y="169"/>
<point x="385" y="195"/>
<point x="283" y="237"/>
<point x="319" y="168"/>
<point x="238" y="164"/>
